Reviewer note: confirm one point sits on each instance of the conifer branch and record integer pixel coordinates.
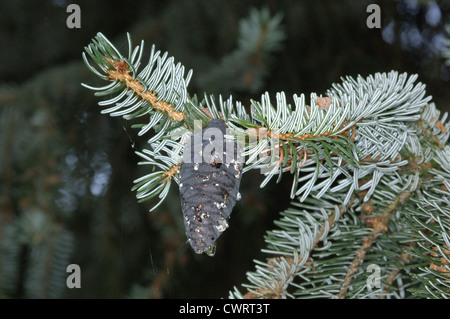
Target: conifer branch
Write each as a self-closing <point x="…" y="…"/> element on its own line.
<point x="379" y="224"/>
<point x="390" y="234"/>
<point x="369" y="161"/>
<point x="121" y="73"/>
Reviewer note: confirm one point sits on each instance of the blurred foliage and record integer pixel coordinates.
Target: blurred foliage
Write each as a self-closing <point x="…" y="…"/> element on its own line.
<point x="66" y="171"/>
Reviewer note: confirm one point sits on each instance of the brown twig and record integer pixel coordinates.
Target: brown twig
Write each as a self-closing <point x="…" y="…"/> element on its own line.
<point x="379" y="224"/>
<point x="170" y="173"/>
<point x="122" y="74"/>
<point x="276" y="291"/>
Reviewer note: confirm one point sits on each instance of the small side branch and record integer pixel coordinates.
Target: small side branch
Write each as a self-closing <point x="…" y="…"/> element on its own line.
<point x="170" y="173"/>
<point x="379" y="224"/>
<point x="277" y="290"/>
<point x="122" y="74"/>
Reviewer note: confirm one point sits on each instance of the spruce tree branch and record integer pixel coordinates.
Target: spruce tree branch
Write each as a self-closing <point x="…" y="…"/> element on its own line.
<point x="370" y="136"/>
<point x="278" y="289"/>
<point x="170" y="173"/>
<point x="122" y="72"/>
<point x="404" y="259"/>
<point x="379" y="224"/>
<point x="261" y="131"/>
<point x="429" y="135"/>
